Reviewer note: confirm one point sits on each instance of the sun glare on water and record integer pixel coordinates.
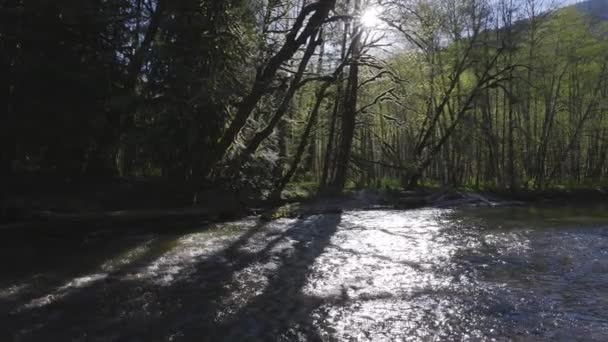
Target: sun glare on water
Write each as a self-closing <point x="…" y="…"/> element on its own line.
<point x="370" y="17"/>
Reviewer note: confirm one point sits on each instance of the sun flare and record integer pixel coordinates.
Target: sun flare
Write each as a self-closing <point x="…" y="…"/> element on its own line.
<point x="370" y="17"/>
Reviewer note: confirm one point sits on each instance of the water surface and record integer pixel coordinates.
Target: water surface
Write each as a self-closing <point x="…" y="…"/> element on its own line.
<point x="527" y="273"/>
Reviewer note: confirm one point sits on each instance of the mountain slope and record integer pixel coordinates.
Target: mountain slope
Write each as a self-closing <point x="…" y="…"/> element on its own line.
<point x="595" y="8"/>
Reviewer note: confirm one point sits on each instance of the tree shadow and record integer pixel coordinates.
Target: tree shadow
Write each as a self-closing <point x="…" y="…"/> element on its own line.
<point x="65" y="272"/>
<point x="283" y="311"/>
<point x="194" y="305"/>
<point x="65" y="277"/>
<point x="265" y="312"/>
<point x="52" y="248"/>
<point x="47" y="259"/>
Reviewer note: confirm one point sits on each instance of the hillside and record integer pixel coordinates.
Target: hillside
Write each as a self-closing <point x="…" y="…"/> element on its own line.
<point x="595" y="8"/>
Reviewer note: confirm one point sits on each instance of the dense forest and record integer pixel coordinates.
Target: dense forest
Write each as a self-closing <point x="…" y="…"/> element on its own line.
<point x="303" y="170"/>
<point x="257" y="95"/>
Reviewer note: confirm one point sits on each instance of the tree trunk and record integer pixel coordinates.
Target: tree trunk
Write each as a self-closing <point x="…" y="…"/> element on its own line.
<point x="293" y="167"/>
<point x="349" y="114"/>
<point x="259" y="137"/>
<point x="296" y="37"/>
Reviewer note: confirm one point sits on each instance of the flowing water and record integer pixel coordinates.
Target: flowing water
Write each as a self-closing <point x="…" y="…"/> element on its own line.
<point x="524" y="274"/>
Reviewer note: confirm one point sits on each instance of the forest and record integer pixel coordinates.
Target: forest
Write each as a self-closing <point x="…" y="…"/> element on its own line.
<point x="303" y="170"/>
<point x="259" y="96"/>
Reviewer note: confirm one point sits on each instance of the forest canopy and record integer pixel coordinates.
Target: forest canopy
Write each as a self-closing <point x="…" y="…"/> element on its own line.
<point x="259" y="94"/>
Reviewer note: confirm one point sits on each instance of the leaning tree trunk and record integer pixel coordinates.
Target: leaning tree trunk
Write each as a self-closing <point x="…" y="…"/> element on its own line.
<point x="295" y="83"/>
<point x="293" y="167"/>
<point x="297" y="36"/>
<point x="349" y="115"/>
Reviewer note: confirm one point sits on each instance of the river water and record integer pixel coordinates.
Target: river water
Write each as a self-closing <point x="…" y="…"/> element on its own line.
<point x="477" y="274"/>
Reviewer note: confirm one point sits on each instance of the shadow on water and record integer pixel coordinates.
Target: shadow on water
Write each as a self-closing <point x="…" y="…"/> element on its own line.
<point x="123" y="306"/>
<point x="53" y="274"/>
<point x="52" y="248"/>
<point x="282" y="310"/>
<point x="275" y="307"/>
<point x="47" y="259"/>
<point x="504" y="274"/>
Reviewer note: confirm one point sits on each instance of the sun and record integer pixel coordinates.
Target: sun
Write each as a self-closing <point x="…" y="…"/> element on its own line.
<point x="370" y="17"/>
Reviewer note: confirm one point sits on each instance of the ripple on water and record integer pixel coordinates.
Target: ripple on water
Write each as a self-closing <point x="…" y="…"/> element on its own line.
<point x="428" y="274"/>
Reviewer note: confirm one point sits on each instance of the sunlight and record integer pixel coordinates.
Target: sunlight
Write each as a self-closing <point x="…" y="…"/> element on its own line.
<point x="370" y="17"/>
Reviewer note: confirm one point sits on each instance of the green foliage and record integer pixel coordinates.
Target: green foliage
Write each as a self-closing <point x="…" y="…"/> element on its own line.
<point x="471" y="102"/>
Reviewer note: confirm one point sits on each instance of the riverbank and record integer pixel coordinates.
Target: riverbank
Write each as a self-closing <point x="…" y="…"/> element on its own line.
<point x="35" y="199"/>
<point x="121" y="201"/>
<point x="450" y="197"/>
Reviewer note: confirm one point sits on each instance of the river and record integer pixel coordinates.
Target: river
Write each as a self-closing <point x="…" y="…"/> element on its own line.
<point x="475" y="274"/>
